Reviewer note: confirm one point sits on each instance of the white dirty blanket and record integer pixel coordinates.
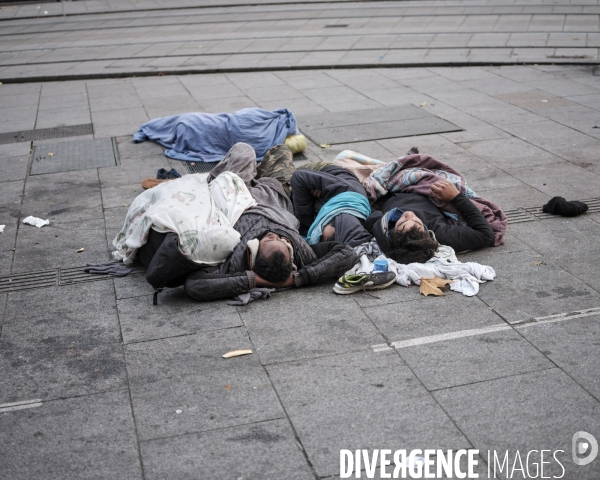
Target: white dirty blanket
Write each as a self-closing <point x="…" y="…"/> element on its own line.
<point x="202" y="214"/>
<point x="467" y="276"/>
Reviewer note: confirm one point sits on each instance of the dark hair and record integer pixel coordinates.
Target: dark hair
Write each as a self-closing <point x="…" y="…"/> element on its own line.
<point x="412" y="245"/>
<point x="275" y="269"/>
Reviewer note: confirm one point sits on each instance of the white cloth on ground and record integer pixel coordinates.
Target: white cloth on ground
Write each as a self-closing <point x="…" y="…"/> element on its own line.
<point x="201" y="213"/>
<point x="35" y="221"/>
<point x="444" y="264"/>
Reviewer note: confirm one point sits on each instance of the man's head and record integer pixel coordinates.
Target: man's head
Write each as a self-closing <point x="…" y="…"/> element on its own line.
<point x="410" y="240"/>
<point x="273" y="261"/>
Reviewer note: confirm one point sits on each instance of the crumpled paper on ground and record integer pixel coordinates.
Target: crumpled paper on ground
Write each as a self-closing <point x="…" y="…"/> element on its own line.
<point x="2" y="228"/>
<point x="36" y="222"/>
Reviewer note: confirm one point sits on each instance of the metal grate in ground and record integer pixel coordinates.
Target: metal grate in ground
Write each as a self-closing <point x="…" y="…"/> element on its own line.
<point x="52" y="278"/>
<point x="70" y="156"/>
<point x="205" y="167"/>
<point x="46" y="133"/>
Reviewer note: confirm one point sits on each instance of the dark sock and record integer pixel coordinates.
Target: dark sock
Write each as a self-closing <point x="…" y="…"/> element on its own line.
<point x="413" y="151"/>
<point x="559" y="206"/>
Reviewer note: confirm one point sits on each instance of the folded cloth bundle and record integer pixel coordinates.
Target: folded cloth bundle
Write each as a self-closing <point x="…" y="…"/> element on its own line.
<point x="559" y="206"/>
<point x="114" y="269"/>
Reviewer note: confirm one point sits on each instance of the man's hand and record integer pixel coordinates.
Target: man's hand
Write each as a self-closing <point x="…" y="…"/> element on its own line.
<point x="262" y="283"/>
<point x="444" y="190"/>
<point x="316" y="193"/>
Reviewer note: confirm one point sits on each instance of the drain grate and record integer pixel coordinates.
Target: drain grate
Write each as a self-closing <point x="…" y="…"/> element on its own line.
<point x="46" y="133"/>
<point x="372" y="124"/>
<point x="205" y="167"/>
<point x="69" y="156"/>
<point x="529" y="214"/>
<point x="52" y="278"/>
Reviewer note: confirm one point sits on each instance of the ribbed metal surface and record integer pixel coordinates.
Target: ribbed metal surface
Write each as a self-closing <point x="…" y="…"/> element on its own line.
<point x="592" y="203"/>
<point x="518" y="215"/>
<point x="205" y="167"/>
<point x="46" y="133"/>
<point x="71" y="156"/>
<point x="24" y="281"/>
<point x="52" y="278"/>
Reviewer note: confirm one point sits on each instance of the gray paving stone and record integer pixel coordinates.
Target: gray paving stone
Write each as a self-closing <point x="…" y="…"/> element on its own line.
<point x="85" y="437"/>
<point x="265" y="450"/>
<point x="132" y="286"/>
<point x="283" y="329"/>
<point x="55" y="348"/>
<point x="431" y="316"/>
<point x="516" y="197"/>
<point x="14" y="168"/>
<point x="510" y="153"/>
<point x="523" y="290"/>
<point x="558" y="139"/>
<point x="10" y="206"/>
<point x="52" y="192"/>
<point x="142" y="151"/>
<point x="572" y="345"/>
<point x="15" y="150"/>
<point x="122" y="195"/>
<point x="63" y="239"/>
<point x="481" y="175"/>
<point x="560" y="179"/>
<point x="124" y="174"/>
<point x="473" y="359"/>
<point x="359" y="401"/>
<point x="534" y="411"/>
<point x="549" y="237"/>
<point x="188" y="374"/>
<point x="177" y="315"/>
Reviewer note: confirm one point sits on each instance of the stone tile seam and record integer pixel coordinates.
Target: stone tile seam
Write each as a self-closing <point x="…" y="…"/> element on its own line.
<point x="387" y="49"/>
<point x="341" y="66"/>
<point x="560" y="317"/>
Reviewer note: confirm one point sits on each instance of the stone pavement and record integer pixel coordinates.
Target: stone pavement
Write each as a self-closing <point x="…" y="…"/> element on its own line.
<point x="96" y="382"/>
<point x="97" y="39"/>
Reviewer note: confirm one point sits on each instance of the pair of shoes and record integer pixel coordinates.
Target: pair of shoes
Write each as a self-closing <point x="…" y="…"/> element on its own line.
<point x="163" y="174"/>
<point x="364" y="281"/>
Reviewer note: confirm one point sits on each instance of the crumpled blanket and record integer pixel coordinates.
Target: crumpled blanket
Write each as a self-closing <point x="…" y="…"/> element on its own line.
<point x="444" y="264"/>
<point x="250" y="296"/>
<point x="202" y="214"/>
<point x="417" y="173"/>
<point x="207" y="137"/>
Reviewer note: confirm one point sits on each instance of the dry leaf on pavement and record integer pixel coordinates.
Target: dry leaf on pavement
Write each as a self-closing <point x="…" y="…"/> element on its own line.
<point x="433" y="286"/>
<point x="237" y="353"/>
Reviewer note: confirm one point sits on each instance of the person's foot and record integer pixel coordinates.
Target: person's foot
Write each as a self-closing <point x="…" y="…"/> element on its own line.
<point x="413" y="151"/>
<point x="151" y="182"/>
<point x="363" y="282"/>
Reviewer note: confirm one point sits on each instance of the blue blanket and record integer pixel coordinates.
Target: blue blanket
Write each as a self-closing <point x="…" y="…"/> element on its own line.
<point x="348" y="202"/>
<point x="207" y="137"/>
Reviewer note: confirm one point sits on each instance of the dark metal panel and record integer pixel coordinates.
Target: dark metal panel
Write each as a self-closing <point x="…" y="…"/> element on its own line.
<point x="70" y="156"/>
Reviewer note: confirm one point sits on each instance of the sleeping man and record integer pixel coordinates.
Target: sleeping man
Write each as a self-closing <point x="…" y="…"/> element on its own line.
<point x="270" y="251"/>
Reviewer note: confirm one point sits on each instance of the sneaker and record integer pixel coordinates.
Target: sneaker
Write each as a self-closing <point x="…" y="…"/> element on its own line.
<point x="364" y="281"/>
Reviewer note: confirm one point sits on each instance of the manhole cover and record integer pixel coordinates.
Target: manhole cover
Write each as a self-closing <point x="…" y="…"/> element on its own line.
<point x="372" y="124"/>
<point x="69" y="156"/>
